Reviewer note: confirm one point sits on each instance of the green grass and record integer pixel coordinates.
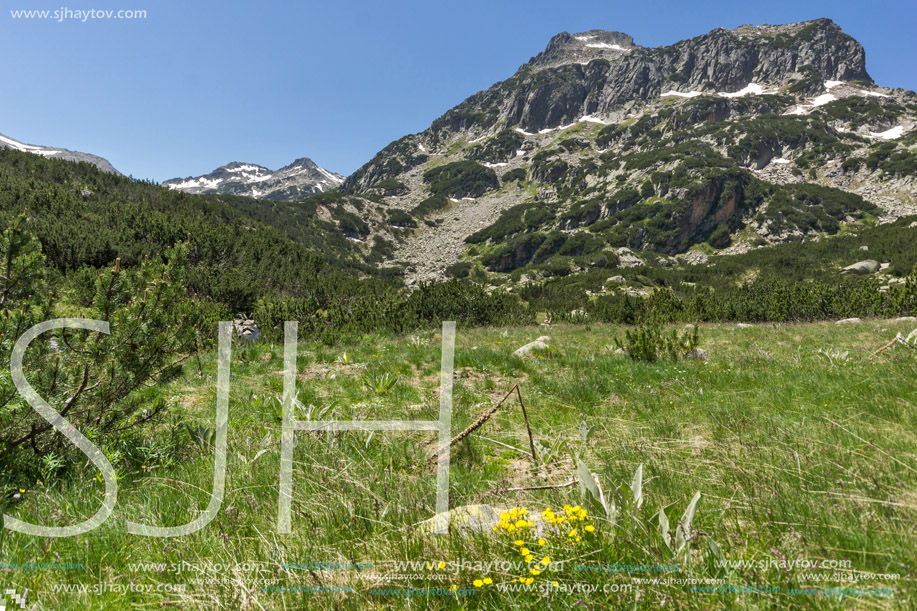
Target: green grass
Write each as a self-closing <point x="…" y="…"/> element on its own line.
<point x="796" y="457"/>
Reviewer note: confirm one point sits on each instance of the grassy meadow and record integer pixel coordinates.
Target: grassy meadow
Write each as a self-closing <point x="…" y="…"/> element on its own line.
<point x="803" y="460"/>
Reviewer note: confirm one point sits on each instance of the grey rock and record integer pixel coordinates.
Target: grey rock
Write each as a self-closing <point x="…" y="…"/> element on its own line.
<point x="742" y="325"/>
<point x="906" y="319"/>
<point x="539" y="344"/>
<point x="619" y="279"/>
<point x="695" y="257"/>
<point x="697" y="353"/>
<point x="245" y="328"/>
<point x="847" y="321"/>
<point x="627" y="258"/>
<point x="869" y="266"/>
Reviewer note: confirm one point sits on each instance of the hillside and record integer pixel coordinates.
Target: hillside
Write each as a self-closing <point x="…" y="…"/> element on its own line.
<point x="728" y="142"/>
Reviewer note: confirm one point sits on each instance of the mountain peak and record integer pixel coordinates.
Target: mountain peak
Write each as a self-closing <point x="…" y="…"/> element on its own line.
<point x="297" y="180"/>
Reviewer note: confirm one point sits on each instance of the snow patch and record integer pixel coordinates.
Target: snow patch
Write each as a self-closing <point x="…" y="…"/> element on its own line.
<point x="520" y="152"/>
<point x="421" y="148"/>
<point x="523" y="132"/>
<point x="591" y="119"/>
<point x="584" y="38"/>
<point x="803" y="109"/>
<point x="605" y="45"/>
<point x="749" y="89"/>
<point x="679" y="94"/>
<point x="874" y="94"/>
<point x="889" y="134"/>
<point x="780" y="160"/>
<point x="30" y="148"/>
<point x="495" y="165"/>
<point x="832" y="84"/>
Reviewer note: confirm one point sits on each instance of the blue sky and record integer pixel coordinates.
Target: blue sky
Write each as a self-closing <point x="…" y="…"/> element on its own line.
<point x="201" y="83"/>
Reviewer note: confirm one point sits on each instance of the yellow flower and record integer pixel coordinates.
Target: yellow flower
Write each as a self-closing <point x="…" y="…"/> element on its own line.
<point x="453" y="588"/>
<point x="578" y="539"/>
<point x="546" y="560"/>
<point x="22" y="490"/>
<point x="477" y="583"/>
<point x="441" y="565"/>
<point x="555" y="584"/>
<point x="521" y="523"/>
<point x="524" y="551"/>
<point x="541" y="542"/>
<point x="572" y="533"/>
<point x="488" y="581"/>
<point x="529" y="558"/>
<point x="143" y="467"/>
<point x="534" y="571"/>
<point x="529" y="580"/>
<point x="590" y="528"/>
<point x="518" y="542"/>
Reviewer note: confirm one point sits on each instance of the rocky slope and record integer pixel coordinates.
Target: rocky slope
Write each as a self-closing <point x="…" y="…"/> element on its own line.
<point x="296" y="181"/>
<point x="726" y="142"/>
<point x="58" y="153"/>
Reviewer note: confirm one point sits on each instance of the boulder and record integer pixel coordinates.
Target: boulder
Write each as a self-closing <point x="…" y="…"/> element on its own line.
<point x="847" y="321"/>
<point x="627" y="258"/>
<point x="618" y="279"/>
<point x="861" y="268"/>
<point x="245" y="327"/>
<point x="906" y="319"/>
<point x="695" y="257"/>
<point x="539" y="344"/>
<point x="697" y="353"/>
<point x="742" y="325"/>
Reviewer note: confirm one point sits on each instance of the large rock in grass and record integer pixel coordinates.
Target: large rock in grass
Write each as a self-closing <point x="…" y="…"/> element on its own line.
<point x="849" y="321"/>
<point x="539" y="344"/>
<point x="862" y="268"/>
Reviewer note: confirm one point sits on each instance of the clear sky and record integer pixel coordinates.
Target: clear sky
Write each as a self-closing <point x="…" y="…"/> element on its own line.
<point x="200" y="83"/>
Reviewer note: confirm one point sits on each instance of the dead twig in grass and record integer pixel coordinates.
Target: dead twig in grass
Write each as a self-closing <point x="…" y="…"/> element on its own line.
<point x="896" y="340"/>
<point x="486" y="416"/>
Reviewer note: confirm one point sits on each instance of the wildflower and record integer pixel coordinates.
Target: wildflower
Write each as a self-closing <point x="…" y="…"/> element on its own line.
<point x="518" y="542"/>
<point x="21" y="490"/>
<point x="535" y="572"/>
<point x="441" y="565"/>
<point x="488" y="581"/>
<point x="143" y="467"/>
<point x="572" y="533"/>
<point x="590" y="528"/>
<point x="529" y="558"/>
<point x="555" y="584"/>
<point x="541" y="542"/>
<point x="524" y="551"/>
<point x="546" y="560"/>
<point x="477" y="583"/>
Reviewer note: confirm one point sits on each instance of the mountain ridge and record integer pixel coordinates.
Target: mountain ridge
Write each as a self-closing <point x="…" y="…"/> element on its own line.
<point x="58" y="153"/>
<point x="297" y="180"/>
<point x="759" y="134"/>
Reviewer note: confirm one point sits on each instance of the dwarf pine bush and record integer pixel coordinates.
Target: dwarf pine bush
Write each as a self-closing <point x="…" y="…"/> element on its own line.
<point x="86" y="376"/>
